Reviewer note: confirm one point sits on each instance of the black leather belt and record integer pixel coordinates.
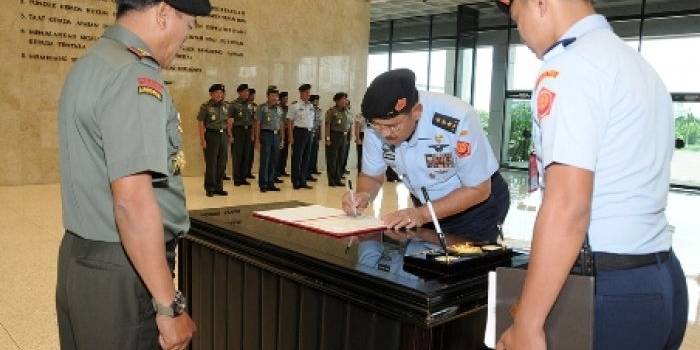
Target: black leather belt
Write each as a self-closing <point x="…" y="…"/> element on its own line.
<point x="215" y="130"/>
<point x="268" y="130"/>
<point x="242" y="126"/>
<point x="611" y="262"/>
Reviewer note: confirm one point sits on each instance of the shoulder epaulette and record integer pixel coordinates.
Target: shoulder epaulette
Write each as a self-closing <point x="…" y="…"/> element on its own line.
<point x="444" y="122"/>
<point x="139" y="52"/>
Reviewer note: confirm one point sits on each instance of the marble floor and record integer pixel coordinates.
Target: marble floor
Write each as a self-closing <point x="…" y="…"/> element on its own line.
<point x="30" y="231"/>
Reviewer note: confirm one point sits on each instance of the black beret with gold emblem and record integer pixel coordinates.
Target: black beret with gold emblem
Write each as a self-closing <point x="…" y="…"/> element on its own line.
<point x="305" y="87"/>
<point x="390" y="94"/>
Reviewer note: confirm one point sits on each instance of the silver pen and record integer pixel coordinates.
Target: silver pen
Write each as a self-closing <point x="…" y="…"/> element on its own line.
<point x="436" y="223"/>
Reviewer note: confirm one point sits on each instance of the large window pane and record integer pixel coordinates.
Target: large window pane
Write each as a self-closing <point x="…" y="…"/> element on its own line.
<point x="442" y="65"/>
<point x="685" y="167"/>
<point x="517" y="143"/>
<point x="377" y="61"/>
<point x="482" y="84"/>
<point x="413" y="56"/>
<point x="676" y="61"/>
<point x="523" y="66"/>
<point x="379" y="31"/>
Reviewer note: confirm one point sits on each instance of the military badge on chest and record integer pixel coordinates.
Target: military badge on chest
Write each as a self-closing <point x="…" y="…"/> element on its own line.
<point x="439" y="161"/>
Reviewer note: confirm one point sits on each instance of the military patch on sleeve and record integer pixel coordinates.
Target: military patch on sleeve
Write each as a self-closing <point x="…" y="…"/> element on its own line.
<point x="151" y="87"/>
<point x="545" y="100"/>
<point x="444" y="122"/>
<point x="464" y="149"/>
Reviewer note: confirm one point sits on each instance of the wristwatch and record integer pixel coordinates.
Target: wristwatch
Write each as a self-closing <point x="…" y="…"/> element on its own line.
<point x="176" y="308"/>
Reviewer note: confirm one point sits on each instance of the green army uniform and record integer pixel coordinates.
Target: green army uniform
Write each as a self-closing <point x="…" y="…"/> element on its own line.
<point x="241" y="113"/>
<point x="214" y="116"/>
<point x="348" y="121"/>
<point x="338" y="121"/>
<point x="251" y="152"/>
<point x="271" y="124"/>
<point x="318" y="122"/>
<point x="116" y="119"/>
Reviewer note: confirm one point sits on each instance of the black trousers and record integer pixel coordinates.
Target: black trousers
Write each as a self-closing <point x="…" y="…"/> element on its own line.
<point x="345" y="154"/>
<point x="251" y="157"/>
<point x="482" y="222"/>
<point x="283" y="156"/>
<point x="359" y="152"/>
<point x="269" y="150"/>
<point x="240" y="152"/>
<point x="215" y="156"/>
<point x="101" y="302"/>
<point x="334" y="157"/>
<point x="301" y="155"/>
<point x="313" y="163"/>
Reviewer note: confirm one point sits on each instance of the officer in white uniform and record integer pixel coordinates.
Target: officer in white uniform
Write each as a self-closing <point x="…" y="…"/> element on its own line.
<point x="433" y="141"/>
<point x="603" y="131"/>
<point x="301" y="127"/>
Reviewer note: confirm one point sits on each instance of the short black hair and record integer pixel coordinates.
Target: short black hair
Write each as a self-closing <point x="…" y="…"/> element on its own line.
<point x="124" y="6"/>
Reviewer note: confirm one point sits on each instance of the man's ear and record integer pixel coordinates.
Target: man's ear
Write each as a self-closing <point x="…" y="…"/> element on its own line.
<point x="417" y="111"/>
<point x="161" y="11"/>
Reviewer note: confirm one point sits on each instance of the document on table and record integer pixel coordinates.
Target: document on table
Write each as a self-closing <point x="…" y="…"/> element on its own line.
<point x="330" y="221"/>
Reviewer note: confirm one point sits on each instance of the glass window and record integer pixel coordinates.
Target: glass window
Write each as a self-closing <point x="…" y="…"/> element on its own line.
<point x="413" y="56"/>
<point x="685" y="165"/>
<point x="412" y="28"/>
<point x="523" y="66"/>
<point x="676" y="61"/>
<point x="517" y="143"/>
<point x="482" y="84"/>
<point x="442" y="65"/>
<point x="466" y="57"/>
<point x="377" y="61"/>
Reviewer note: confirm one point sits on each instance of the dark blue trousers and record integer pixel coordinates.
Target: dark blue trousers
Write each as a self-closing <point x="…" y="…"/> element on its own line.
<point x="269" y="151"/>
<point x="301" y="156"/>
<point x="642" y="308"/>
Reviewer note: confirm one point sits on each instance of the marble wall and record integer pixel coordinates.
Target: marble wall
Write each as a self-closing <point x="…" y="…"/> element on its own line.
<point x="285" y="43"/>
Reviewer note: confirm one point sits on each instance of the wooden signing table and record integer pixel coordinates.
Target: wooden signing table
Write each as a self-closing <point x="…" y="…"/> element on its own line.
<point x="255" y="284"/>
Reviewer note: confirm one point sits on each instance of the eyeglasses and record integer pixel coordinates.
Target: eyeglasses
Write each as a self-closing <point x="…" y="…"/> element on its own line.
<point x="393" y="129"/>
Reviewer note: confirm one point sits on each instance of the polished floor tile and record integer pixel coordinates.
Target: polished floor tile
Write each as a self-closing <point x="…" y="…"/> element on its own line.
<point x="30" y="232"/>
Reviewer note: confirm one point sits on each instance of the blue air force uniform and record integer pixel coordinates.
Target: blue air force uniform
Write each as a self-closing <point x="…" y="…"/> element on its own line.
<point x="448" y="150"/>
<point x="598" y="106"/>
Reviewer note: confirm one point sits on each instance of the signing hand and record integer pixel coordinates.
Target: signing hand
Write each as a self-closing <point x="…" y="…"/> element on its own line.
<point x="361" y="201"/>
<point x="404" y="218"/>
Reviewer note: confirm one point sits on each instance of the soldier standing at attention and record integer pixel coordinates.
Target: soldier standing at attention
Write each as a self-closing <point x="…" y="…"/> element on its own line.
<point x="348" y="139"/>
<point x="269" y="126"/>
<point x="336" y="137"/>
<point x="284" y="152"/>
<point x="251" y="152"/>
<point x="360" y="124"/>
<point x="301" y="126"/>
<point x="122" y="196"/>
<point x="318" y="116"/>
<point x="212" y="125"/>
<point x="240" y="115"/>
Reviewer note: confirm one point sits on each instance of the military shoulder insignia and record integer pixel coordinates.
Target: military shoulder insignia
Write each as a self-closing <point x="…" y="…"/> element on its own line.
<point x="148" y="86"/>
<point x="446" y="123"/>
<point x="548" y="74"/>
<point x="545" y="100"/>
<point x="464" y="149"/>
<point x="139" y="52"/>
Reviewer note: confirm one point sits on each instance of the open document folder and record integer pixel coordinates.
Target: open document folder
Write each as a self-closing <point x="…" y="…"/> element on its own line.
<point x="329" y="221"/>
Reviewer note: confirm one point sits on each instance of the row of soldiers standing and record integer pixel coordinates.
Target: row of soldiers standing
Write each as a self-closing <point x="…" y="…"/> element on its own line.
<point x="271" y="128"/>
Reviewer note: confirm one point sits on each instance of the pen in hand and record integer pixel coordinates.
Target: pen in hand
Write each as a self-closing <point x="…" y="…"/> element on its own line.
<point x="352" y="198"/>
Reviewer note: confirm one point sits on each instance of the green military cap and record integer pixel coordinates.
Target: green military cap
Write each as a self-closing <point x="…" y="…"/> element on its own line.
<point x="251" y="91"/>
<point x="272" y="89"/>
<point x="339" y="96"/>
<point x="305" y="87"/>
<point x="242" y="87"/>
<point x="217" y="87"/>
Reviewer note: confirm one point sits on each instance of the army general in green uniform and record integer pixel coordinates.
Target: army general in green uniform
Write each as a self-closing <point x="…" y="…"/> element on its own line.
<point x="338" y="123"/>
<point x="213" y="137"/>
<point x="240" y="128"/>
<point x="122" y="194"/>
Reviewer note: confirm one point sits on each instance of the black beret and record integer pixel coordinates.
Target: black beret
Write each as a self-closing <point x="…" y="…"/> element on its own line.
<point x="314" y="97"/>
<point x="305" y="87"/>
<point x="191" y="7"/>
<point x="216" y="87"/>
<point x="284" y="94"/>
<point x="389" y="91"/>
<point x="339" y="96"/>
<point x="251" y="91"/>
<point x="242" y="87"/>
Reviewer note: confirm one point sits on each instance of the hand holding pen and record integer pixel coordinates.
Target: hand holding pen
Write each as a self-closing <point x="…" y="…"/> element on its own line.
<point x="354" y="202"/>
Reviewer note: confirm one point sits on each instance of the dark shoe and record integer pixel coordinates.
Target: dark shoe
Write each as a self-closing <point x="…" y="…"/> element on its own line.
<point x="236" y="183"/>
<point x="306" y="186"/>
<point x="346" y="172"/>
<point x="263" y="190"/>
<point x="278" y="181"/>
<point x="210" y="194"/>
<point x="312" y="179"/>
<point x="315" y="173"/>
<point x="221" y="193"/>
<point x="273" y="189"/>
<point x="250" y="177"/>
<point x="296" y="187"/>
<point x="227" y="178"/>
<point x="285" y="174"/>
<point x="331" y="184"/>
<point x="340" y="184"/>
<point x="245" y="183"/>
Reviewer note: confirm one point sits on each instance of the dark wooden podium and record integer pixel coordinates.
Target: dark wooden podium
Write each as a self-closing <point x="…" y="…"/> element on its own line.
<point x="254" y="284"/>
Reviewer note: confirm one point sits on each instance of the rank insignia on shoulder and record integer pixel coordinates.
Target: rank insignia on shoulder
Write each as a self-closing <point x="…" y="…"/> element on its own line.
<point x="446" y="123"/>
<point x="151" y="87"/>
<point x="139" y="52"/>
<point x="464" y="149"/>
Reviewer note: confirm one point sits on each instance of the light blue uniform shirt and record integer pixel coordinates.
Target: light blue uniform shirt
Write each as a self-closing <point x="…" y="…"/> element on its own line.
<point x="599" y="106"/>
<point x="448" y="149"/>
<point x="302" y="114"/>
